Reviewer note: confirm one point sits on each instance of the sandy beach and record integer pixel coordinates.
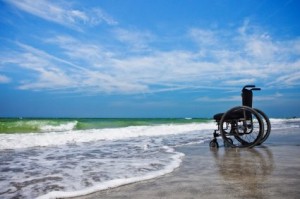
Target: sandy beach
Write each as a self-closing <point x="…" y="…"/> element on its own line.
<point x="268" y="171"/>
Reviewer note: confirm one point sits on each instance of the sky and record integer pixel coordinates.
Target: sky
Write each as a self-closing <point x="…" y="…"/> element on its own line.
<point x="147" y="58"/>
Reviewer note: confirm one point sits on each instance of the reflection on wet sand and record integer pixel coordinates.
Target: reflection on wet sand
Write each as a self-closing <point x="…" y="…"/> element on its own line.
<point x="245" y="170"/>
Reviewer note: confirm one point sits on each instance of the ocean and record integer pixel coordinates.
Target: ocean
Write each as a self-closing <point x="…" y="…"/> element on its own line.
<point x="50" y="158"/>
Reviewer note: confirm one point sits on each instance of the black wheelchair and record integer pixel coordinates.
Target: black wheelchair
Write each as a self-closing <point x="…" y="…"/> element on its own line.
<point x="242" y="126"/>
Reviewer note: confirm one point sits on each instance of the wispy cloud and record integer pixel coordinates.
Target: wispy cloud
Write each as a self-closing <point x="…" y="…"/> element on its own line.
<point x="247" y="55"/>
<point x="42" y="66"/>
<point x="63" y="13"/>
<point x="87" y="53"/>
<point x="4" y="79"/>
<point x="136" y="40"/>
<point x="239" y="98"/>
<point x="225" y="99"/>
<point x="53" y="73"/>
<point x="288" y="80"/>
<point x="203" y="37"/>
<point x="251" y="55"/>
<point x="240" y="81"/>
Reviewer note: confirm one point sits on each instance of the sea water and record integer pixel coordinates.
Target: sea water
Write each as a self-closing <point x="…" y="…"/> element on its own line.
<point x="51" y="158"/>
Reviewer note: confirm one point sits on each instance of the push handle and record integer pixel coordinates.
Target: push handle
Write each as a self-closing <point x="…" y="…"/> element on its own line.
<point x="249" y="86"/>
<point x="253" y="88"/>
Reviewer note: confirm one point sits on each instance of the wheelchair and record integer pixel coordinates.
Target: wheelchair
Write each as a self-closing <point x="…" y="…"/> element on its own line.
<point x="242" y="126"/>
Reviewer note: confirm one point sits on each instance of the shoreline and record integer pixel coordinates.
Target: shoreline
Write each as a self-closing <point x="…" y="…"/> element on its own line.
<point x="268" y="171"/>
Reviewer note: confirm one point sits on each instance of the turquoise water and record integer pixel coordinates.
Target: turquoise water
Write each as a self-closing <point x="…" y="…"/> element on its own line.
<point x="39" y="125"/>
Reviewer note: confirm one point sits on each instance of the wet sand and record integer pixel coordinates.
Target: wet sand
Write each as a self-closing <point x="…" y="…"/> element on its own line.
<point x="268" y="171"/>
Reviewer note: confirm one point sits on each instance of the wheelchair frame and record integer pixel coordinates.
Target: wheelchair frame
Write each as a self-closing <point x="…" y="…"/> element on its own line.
<point x="242" y="126"/>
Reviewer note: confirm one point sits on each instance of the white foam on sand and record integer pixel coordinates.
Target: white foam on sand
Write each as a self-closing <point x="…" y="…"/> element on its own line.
<point x="176" y="161"/>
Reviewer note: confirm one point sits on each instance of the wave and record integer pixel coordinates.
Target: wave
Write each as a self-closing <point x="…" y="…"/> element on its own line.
<point x="14" y="141"/>
<point x="62" y="127"/>
<point x="281" y="120"/>
<point x="278" y="123"/>
<point x="61" y="132"/>
<point x="8" y="126"/>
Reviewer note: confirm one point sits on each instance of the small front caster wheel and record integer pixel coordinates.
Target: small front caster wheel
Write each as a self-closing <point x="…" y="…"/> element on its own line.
<point x="214" y="144"/>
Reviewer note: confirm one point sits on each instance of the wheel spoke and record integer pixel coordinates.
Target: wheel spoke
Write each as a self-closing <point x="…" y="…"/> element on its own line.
<point x="245" y="131"/>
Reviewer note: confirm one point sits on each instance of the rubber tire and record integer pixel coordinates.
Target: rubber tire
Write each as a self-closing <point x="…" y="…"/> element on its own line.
<point x="267" y="127"/>
<point x="243" y="143"/>
<point x="231" y="142"/>
<point x="214" y="144"/>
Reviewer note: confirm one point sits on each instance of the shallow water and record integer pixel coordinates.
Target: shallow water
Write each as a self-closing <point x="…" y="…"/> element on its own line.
<point x="73" y="162"/>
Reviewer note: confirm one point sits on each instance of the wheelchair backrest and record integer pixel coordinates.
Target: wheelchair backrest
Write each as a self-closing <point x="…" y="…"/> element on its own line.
<point x="247" y="95"/>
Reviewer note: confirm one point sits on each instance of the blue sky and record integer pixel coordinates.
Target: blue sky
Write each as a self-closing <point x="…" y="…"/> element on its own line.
<point x="147" y="58"/>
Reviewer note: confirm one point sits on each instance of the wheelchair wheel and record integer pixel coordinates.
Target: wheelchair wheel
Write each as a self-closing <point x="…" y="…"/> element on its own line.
<point x="267" y="126"/>
<point x="214" y="144"/>
<point x="230" y="141"/>
<point x="241" y="127"/>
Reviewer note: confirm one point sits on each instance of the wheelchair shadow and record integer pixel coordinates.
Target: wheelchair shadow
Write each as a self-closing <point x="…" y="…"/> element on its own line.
<point x="245" y="170"/>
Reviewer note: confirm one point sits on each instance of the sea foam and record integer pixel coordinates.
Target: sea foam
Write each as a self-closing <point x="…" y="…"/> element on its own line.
<point x="69" y="136"/>
<point x="175" y="163"/>
<point x="62" y="127"/>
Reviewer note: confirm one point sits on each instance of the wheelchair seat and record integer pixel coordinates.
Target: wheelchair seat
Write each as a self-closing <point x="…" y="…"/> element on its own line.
<point x="218" y="116"/>
<point x="230" y="116"/>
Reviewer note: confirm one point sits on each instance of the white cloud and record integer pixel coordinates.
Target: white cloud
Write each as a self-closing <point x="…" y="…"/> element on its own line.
<point x="225" y="99"/>
<point x="240" y="81"/>
<point x="136" y="40"/>
<point x="53" y="79"/>
<point x="92" y="66"/>
<point x="261" y="47"/>
<point x="63" y="13"/>
<point x="203" y="37"/>
<point x="288" y="80"/>
<point x="238" y="98"/>
<point x="252" y="55"/>
<point x="42" y="66"/>
<point x="98" y="16"/>
<point x="101" y="82"/>
<point x="4" y="79"/>
<point x="94" y="55"/>
<point x="52" y="73"/>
